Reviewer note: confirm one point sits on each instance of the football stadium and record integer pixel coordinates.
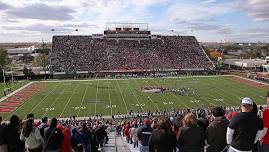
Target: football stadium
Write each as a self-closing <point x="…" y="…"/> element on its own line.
<point x="129" y="90"/>
<point x="127" y="70"/>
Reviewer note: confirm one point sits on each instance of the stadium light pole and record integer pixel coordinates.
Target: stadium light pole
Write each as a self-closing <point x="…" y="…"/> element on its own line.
<point x="4" y="79"/>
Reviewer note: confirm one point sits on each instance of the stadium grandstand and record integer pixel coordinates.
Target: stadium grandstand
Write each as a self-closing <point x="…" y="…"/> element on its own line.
<point x="127" y="47"/>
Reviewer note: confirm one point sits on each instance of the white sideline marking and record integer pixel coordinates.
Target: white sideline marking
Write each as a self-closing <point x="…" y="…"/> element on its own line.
<point x="82" y="99"/>
<point x="122" y="97"/>
<point x="109" y="98"/>
<point x="129" y="87"/>
<point x="96" y="95"/>
<point x="16" y="91"/>
<point x="116" y="79"/>
<point x="251" y="80"/>
<point x="55" y="101"/>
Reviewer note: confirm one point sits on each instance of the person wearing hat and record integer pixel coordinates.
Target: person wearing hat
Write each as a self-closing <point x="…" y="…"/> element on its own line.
<point x="144" y="133"/>
<point x="244" y="129"/>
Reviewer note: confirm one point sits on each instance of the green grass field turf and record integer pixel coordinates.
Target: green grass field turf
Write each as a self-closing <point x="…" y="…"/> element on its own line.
<point x="13" y="87"/>
<point x="110" y="97"/>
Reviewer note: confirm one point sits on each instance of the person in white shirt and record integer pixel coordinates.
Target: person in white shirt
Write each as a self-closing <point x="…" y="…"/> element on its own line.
<point x="32" y="137"/>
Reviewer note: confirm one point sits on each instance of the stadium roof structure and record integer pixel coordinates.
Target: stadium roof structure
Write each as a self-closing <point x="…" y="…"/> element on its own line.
<point x="113" y="25"/>
<point x="246" y="63"/>
<point x="21" y="50"/>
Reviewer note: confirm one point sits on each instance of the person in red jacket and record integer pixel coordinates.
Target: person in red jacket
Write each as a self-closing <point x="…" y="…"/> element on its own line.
<point x="127" y="132"/>
<point x="66" y="144"/>
<point x="265" y="140"/>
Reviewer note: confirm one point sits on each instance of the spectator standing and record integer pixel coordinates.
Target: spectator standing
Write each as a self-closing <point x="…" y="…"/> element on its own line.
<point x="53" y="137"/>
<point x="163" y="138"/>
<point x="31" y="135"/>
<point x="216" y="131"/>
<point x="88" y="137"/>
<point x="43" y="125"/>
<point x="133" y="134"/>
<point x="144" y="133"/>
<point x="77" y="140"/>
<point x="3" y="146"/>
<point x="265" y="139"/>
<point x="100" y="133"/>
<point x="202" y="120"/>
<point x="66" y="143"/>
<point x="127" y="133"/>
<point x="244" y="129"/>
<point x="192" y="137"/>
<point x="12" y="135"/>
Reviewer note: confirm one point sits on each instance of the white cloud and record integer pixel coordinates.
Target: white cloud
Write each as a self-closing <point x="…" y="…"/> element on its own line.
<point x="257" y="9"/>
<point x="196" y="11"/>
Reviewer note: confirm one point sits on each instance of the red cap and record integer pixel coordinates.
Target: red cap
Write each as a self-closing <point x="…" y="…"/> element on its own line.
<point x="146" y="121"/>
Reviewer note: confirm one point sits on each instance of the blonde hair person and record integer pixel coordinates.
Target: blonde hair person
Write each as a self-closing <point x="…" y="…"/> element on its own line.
<point x="190" y="120"/>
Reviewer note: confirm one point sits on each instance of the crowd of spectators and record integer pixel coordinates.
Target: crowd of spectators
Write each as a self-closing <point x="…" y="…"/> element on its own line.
<point x="84" y="53"/>
<point x="202" y="130"/>
<point x="188" y="130"/>
<point x="55" y="136"/>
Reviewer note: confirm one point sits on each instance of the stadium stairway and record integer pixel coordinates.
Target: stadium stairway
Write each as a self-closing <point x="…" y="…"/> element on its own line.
<point x="116" y="143"/>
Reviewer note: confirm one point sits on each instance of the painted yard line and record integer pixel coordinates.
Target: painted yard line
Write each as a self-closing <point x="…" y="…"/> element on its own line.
<point x="16" y="91"/>
<point x="122" y="97"/>
<point x="46" y="111"/>
<point x="129" y="87"/>
<point x="108" y="88"/>
<point x="148" y="97"/>
<point x="43" y="99"/>
<point x="82" y="101"/>
<point x="96" y="97"/>
<point x="212" y="95"/>
<point x="73" y="92"/>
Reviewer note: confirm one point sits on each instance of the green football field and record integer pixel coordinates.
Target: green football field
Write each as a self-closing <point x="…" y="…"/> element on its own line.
<point x="111" y="97"/>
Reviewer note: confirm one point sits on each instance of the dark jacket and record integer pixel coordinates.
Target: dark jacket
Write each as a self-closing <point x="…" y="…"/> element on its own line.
<point x="88" y="135"/>
<point x="191" y="139"/>
<point x="143" y="134"/>
<point x="203" y="123"/>
<point x="12" y="138"/>
<point x="162" y="141"/>
<point x="100" y="133"/>
<point x="216" y="134"/>
<point x="77" y="138"/>
<point x="2" y="140"/>
<point x="53" y="138"/>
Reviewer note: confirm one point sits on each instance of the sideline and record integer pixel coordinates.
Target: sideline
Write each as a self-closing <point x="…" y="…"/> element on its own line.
<point x="16" y="91"/>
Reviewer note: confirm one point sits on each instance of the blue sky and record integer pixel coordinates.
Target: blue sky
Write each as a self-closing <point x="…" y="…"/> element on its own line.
<point x="208" y="20"/>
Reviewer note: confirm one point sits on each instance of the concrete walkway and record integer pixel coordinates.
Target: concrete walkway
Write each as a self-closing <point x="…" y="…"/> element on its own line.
<point x="116" y="143"/>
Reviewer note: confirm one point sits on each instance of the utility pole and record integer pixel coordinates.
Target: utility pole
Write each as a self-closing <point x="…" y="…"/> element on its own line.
<point x="4" y="81"/>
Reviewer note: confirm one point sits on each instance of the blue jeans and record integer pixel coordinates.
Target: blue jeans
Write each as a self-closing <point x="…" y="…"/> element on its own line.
<point x="88" y="148"/>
